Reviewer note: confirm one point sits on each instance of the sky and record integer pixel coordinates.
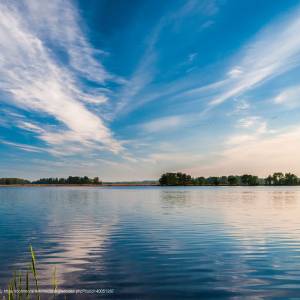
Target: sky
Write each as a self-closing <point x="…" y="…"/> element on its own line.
<point x="128" y="90"/>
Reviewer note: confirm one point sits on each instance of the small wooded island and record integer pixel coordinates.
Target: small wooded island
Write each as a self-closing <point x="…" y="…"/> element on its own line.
<point x="278" y="178"/>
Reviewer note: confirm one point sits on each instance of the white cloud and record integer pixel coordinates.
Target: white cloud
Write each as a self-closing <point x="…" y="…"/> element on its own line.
<point x="240" y="139"/>
<point x="162" y="124"/>
<point x="174" y="157"/>
<point x="274" y="51"/>
<point x="130" y="96"/>
<point x="192" y="57"/>
<point x="30" y="127"/>
<point x="242" y="105"/>
<point x="254" y="126"/>
<point x="142" y="76"/>
<point x="35" y="80"/>
<point x="289" y="97"/>
<point x="58" y="21"/>
<point x="248" y="122"/>
<point x="235" y="72"/>
<point x="100" y="99"/>
<point x="23" y="147"/>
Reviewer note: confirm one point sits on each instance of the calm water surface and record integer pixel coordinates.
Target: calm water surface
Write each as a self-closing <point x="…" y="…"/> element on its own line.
<point x="157" y="243"/>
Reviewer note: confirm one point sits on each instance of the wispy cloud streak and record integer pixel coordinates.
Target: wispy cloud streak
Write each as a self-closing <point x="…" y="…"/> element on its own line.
<point x="33" y="78"/>
<point x="274" y="51"/>
<point x="135" y="92"/>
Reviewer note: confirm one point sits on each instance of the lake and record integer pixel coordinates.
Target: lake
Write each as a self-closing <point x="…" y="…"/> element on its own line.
<point x="155" y="242"/>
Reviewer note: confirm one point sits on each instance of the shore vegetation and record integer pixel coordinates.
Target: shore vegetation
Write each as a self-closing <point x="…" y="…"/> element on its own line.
<point x="69" y="180"/>
<point x="182" y="179"/>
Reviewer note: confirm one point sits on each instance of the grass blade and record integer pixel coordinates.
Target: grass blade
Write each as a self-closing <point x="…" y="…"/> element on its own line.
<point x="33" y="268"/>
<point x="54" y="281"/>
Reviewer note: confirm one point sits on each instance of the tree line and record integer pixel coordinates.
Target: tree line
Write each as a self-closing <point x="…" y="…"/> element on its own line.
<point x="13" y="181"/>
<point x="278" y="178"/>
<point x="68" y="180"/>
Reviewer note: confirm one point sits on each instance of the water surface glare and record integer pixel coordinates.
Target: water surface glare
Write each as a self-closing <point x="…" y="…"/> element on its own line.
<point x="157" y="243"/>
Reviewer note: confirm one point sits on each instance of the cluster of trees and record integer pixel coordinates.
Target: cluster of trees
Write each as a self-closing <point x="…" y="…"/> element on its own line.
<point x="69" y="180"/>
<point x="279" y="178"/>
<point x="246" y="179"/>
<point x="185" y="179"/>
<point x="176" y="179"/>
<point x="13" y="181"/>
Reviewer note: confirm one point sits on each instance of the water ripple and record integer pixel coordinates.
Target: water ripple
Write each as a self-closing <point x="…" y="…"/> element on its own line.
<point x="157" y="243"/>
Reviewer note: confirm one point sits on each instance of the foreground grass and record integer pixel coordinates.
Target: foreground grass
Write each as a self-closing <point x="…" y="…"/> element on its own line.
<point x="26" y="286"/>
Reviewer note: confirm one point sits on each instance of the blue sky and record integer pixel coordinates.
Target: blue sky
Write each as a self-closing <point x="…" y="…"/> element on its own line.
<point x="129" y="89"/>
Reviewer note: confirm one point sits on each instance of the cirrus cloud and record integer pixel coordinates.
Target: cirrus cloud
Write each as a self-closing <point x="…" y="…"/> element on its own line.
<point x="33" y="78"/>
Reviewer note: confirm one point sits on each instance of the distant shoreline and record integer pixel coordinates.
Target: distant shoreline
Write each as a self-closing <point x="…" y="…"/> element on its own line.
<point x="79" y="185"/>
<point x="166" y="179"/>
<point x="133" y="185"/>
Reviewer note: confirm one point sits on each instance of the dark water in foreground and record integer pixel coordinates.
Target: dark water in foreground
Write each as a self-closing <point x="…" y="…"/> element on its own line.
<point x="157" y="243"/>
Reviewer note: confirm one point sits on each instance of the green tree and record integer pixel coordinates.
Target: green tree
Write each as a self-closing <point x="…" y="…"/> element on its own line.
<point x="69" y="180"/>
<point x="213" y="180"/>
<point x="223" y="180"/>
<point x="8" y="181"/>
<point x="278" y="178"/>
<point x="290" y="179"/>
<point x="253" y="180"/>
<point x="269" y="180"/>
<point x="96" y="180"/>
<point x="232" y="180"/>
<point x="176" y="179"/>
<point x="247" y="179"/>
<point x="199" y="181"/>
